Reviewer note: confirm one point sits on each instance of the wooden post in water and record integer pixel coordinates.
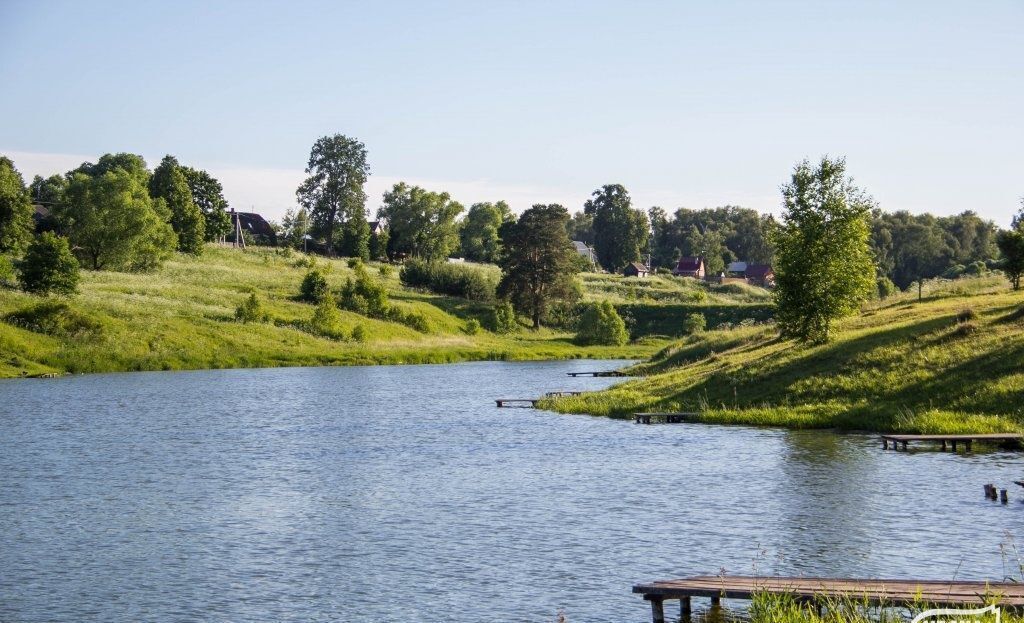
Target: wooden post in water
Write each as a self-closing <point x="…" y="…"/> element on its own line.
<point x="684" y="608"/>
<point x="1002" y="496"/>
<point x="657" y="609"/>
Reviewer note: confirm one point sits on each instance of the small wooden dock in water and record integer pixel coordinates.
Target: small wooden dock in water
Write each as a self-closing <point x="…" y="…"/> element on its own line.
<point x="899" y="441"/>
<point x="597" y="373"/>
<point x="867" y="592"/>
<point x="528" y="403"/>
<point x="666" y="418"/>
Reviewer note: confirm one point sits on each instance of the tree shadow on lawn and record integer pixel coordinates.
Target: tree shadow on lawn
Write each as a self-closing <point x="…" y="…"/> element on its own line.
<point x="768" y="383"/>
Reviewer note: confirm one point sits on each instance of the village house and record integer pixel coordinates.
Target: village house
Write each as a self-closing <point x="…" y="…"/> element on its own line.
<point x="584" y="250"/>
<point x="689" y="267"/>
<point x="254" y="225"/>
<point x="760" y="275"/>
<point x="636" y="269"/>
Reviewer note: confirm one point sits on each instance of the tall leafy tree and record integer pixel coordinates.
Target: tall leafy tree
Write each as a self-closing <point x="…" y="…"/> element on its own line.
<point x="113" y="224"/>
<point x="16" y="223"/>
<point x="420" y="223"/>
<point x="169" y="183"/>
<point x="333" y="194"/>
<point x="1011" y="244"/>
<point x="294" y="226"/>
<point x="208" y="195"/>
<point x="581" y="227"/>
<point x="620" y="232"/>
<point x="479" y="237"/>
<point x="710" y="245"/>
<point x="133" y="164"/>
<point x="823" y="262"/>
<point x="539" y="263"/>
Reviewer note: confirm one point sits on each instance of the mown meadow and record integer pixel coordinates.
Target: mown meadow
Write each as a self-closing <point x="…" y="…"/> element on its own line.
<point x="951" y="362"/>
<point x="182" y="316"/>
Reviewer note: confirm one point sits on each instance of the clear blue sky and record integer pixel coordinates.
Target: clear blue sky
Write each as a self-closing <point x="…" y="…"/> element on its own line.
<point x="692" y="104"/>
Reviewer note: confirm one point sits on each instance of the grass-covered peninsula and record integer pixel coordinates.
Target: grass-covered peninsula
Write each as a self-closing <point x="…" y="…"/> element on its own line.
<point x="953" y="362"/>
<point x="182" y="316"/>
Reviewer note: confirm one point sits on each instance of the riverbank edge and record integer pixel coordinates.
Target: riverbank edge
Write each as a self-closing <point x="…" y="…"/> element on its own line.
<point x="629" y="352"/>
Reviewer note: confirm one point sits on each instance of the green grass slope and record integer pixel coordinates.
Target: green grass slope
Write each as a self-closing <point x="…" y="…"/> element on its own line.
<point x="182" y="317"/>
<point x="903" y="365"/>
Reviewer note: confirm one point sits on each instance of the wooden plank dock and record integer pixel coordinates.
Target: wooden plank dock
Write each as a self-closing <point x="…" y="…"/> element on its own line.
<point x="872" y="592"/>
<point x="666" y="418"/>
<point x="527" y="403"/>
<point x="902" y="440"/>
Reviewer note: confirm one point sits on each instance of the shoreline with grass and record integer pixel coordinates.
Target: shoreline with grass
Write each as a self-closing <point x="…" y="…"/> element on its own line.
<point x="951" y="363"/>
<point x="183" y="317"/>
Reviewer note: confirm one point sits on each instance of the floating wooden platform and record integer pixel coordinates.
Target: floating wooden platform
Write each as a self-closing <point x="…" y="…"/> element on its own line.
<point x="868" y="592"/>
<point x="967" y="440"/>
<point x="598" y="373"/>
<point x="667" y="418"/>
<point x="527" y="403"/>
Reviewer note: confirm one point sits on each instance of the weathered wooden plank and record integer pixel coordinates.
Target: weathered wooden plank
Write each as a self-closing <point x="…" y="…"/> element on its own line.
<point x="872" y="591"/>
<point x="980" y="436"/>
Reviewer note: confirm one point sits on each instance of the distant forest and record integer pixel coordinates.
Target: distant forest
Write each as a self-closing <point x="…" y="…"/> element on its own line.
<point x="906" y="246"/>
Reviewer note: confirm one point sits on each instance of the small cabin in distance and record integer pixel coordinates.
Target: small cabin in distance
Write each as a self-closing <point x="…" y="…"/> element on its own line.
<point x="636" y="269"/>
<point x="689" y="267"/>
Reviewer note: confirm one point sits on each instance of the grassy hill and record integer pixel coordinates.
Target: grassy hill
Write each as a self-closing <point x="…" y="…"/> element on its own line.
<point x="952" y="362"/>
<point x="182" y="317"/>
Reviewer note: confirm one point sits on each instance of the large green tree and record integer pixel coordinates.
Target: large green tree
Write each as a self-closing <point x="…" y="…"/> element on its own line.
<point x="620" y="232"/>
<point x="1011" y="244"/>
<point x="333" y="194"/>
<point x="420" y="223"/>
<point x="16" y="223"/>
<point x="113" y="224"/>
<point x="823" y="265"/>
<point x="170" y="184"/>
<point x="479" y="236"/>
<point x="133" y="164"/>
<point x="208" y="195"/>
<point x="710" y="245"/>
<point x="539" y="263"/>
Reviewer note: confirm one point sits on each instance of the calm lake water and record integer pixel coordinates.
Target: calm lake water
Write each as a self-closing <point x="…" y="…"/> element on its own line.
<point x="401" y="493"/>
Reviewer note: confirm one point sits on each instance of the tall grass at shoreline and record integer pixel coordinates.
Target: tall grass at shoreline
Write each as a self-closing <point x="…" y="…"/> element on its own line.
<point x="183" y="317"/>
<point x="952" y="363"/>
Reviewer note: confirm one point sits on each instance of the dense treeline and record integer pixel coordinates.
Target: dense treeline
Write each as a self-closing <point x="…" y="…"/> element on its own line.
<point x="114" y="214"/>
<point x="908" y="247"/>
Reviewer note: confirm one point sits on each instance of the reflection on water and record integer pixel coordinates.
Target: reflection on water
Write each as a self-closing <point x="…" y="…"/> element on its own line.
<point x="401" y="493"/>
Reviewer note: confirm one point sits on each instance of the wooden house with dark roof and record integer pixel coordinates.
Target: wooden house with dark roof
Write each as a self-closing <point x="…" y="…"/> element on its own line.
<point x="636" y="269"/>
<point x="689" y="267"/>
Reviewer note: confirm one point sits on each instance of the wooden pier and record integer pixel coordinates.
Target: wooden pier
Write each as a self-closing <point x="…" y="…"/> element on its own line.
<point x="598" y="373"/>
<point x="524" y="403"/>
<point x="899" y="441"/>
<point x="666" y="418"/>
<point x="868" y="592"/>
<point x="527" y="403"/>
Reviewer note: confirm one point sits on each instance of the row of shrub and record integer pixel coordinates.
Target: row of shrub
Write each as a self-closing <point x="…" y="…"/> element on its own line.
<point x="450" y="279"/>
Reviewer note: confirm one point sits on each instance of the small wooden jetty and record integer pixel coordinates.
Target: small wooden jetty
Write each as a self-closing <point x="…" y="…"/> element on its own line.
<point x="666" y="418"/>
<point x="902" y="440"/>
<point x="597" y="373"/>
<point x="527" y="403"/>
<point x="868" y="592"/>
